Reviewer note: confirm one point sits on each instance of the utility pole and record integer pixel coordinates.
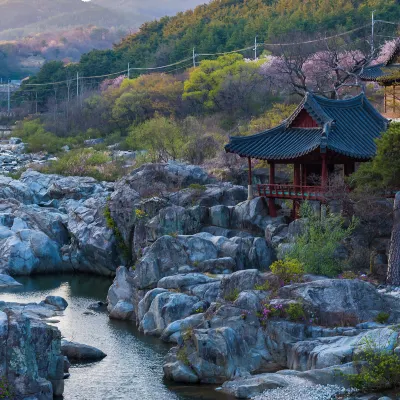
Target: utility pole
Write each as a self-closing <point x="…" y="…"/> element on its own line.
<point x="194" y="58"/>
<point x="129" y="71"/>
<point x="77" y="85"/>
<point x="255" y="48"/>
<point x="372" y="33"/>
<point x="8" y="97"/>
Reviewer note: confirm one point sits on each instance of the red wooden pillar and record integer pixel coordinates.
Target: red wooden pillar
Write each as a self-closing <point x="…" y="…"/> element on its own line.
<point x="271" y="201"/>
<point x="250" y="181"/>
<point x="324" y="171"/>
<point x="297" y="183"/>
<point x="304" y="173"/>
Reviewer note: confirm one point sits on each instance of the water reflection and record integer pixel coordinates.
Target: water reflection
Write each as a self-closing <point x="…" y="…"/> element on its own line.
<point x="133" y="366"/>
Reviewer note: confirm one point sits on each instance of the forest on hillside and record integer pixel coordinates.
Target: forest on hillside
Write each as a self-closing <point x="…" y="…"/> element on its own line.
<point x="226" y="25"/>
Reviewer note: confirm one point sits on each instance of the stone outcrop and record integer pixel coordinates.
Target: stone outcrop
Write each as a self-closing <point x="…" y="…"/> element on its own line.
<point x="77" y="352"/>
<point x="30" y="357"/>
<point x="50" y="223"/>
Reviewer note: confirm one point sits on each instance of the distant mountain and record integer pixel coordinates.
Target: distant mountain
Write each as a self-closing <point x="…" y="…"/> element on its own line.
<point x="20" y="18"/>
<point x="153" y="8"/>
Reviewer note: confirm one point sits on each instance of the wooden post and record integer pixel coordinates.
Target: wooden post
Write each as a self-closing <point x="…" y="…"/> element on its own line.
<point x="250" y="182"/>
<point x="304" y="172"/>
<point x="271" y="201"/>
<point x="385" y="100"/>
<point x="324" y="171"/>
<point x="393" y="275"/>
<point x="296" y="182"/>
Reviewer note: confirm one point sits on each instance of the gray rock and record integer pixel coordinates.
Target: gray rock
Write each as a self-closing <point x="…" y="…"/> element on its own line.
<point x="36" y="371"/>
<point x="123" y="310"/>
<point x="162" y="259"/>
<point x="165" y="309"/>
<point x="56" y="301"/>
<point x="339" y="301"/>
<point x="221" y="265"/>
<point x="7" y="281"/>
<point x="77" y="352"/>
<point x="184" y="281"/>
<point x="121" y="294"/>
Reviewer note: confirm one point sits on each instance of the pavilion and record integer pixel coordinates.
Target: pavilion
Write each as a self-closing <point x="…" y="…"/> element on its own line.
<point x="320" y="134"/>
<point x="387" y="74"/>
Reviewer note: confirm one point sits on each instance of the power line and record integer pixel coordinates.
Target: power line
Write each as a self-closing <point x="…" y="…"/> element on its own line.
<point x="254" y="47"/>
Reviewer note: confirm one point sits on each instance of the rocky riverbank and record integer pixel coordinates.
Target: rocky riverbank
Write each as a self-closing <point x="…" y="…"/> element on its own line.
<point x="196" y="257"/>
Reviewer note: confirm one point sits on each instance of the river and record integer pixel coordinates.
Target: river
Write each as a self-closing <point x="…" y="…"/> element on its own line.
<point x="133" y="366"/>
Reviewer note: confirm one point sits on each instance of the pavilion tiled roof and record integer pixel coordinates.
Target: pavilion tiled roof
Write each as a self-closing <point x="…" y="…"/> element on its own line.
<point x="348" y="127"/>
<point x="386" y="68"/>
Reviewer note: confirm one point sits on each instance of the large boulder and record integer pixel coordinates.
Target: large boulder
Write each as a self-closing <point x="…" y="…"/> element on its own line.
<point x="176" y="220"/>
<point x="94" y="246"/>
<point x="166" y="308"/>
<point x="28" y="252"/>
<point x="121" y="295"/>
<point x="48" y="187"/>
<point x="163" y="258"/>
<point x="77" y="352"/>
<point x="209" y="195"/>
<point x="340" y="301"/>
<point x="30" y="358"/>
<point x="14" y="189"/>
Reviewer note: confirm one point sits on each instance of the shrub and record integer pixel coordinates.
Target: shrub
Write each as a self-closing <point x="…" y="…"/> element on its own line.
<point x="183" y="356"/>
<point x="197" y="187"/>
<point x="377" y="368"/>
<point x="233" y="295"/>
<point x="382" y="317"/>
<point x="295" y="312"/>
<point x="140" y="214"/>
<point x="315" y="248"/>
<point x="117" y="233"/>
<point x="5" y="390"/>
<point x="288" y="270"/>
<point x="265" y="286"/>
<point x="348" y="275"/>
<point x="86" y="162"/>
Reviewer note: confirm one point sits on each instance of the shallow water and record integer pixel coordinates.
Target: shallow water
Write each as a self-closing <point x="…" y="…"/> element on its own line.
<point x="133" y="366"/>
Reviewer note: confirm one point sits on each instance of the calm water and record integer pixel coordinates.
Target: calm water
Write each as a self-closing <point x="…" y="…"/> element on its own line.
<point x="133" y="366"/>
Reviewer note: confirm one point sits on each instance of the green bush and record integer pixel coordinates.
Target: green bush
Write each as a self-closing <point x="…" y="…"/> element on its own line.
<point x="265" y="286"/>
<point x="233" y="295"/>
<point x="37" y="138"/>
<point x="315" y="248"/>
<point x="295" y="312"/>
<point x="288" y="270"/>
<point x="382" y="317"/>
<point x="86" y="162"/>
<point x="197" y="187"/>
<point x="6" y="391"/>
<point x="377" y="369"/>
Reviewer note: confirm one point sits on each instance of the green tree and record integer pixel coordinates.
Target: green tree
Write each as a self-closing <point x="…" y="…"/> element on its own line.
<point x="161" y="137"/>
<point x="315" y="247"/>
<point x="383" y="172"/>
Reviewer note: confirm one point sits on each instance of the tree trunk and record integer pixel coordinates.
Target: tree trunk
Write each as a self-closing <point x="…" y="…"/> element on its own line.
<point x="393" y="276"/>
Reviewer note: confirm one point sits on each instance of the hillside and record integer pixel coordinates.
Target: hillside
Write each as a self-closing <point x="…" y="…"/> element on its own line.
<point x="20" y="18"/>
<point x="225" y="25"/>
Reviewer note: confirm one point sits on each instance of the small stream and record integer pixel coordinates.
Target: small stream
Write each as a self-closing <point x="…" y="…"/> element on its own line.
<point x="133" y="366"/>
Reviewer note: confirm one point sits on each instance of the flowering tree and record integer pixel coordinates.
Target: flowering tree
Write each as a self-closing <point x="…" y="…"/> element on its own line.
<point x="331" y="70"/>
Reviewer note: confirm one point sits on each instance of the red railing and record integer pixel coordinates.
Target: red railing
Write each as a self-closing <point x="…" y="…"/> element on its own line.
<point x="292" y="192"/>
<point x="298" y="192"/>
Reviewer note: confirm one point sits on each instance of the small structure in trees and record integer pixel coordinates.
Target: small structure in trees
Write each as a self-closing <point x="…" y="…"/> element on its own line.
<point x="387" y="74"/>
<point x="320" y="135"/>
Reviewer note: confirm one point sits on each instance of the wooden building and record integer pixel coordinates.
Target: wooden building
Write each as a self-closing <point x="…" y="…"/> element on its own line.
<point x="319" y="135"/>
<point x="387" y="74"/>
